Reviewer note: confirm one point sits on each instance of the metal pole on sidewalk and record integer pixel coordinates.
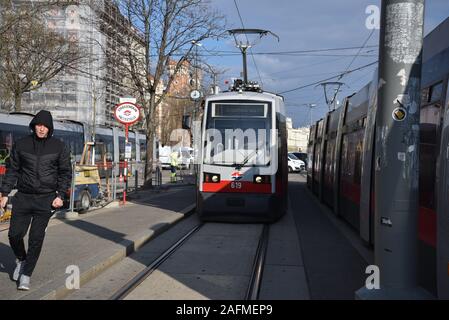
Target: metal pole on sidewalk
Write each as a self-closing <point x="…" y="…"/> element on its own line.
<point x="72" y="188"/>
<point x="397" y="152"/>
<point x="114" y="183"/>
<point x="125" y="170"/>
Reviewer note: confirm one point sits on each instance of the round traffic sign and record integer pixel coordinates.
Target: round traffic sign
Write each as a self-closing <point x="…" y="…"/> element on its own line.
<point x="127" y="113"/>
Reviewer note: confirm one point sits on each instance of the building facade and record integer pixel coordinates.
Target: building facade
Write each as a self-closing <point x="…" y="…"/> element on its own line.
<point x="297" y="138"/>
<point x="169" y="114"/>
<point x="90" y="91"/>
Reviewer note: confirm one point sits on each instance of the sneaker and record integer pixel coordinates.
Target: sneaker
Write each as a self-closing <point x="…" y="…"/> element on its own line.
<point x="24" y="282"/>
<point x="18" y="270"/>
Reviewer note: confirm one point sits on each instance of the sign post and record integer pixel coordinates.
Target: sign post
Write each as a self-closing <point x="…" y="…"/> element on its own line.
<point x="127" y="113"/>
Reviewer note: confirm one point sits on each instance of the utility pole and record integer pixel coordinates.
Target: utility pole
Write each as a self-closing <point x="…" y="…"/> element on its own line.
<point x="397" y="153"/>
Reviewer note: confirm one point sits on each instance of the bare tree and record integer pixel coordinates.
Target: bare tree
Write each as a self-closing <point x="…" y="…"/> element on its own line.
<point x="168" y="30"/>
<point x="31" y="53"/>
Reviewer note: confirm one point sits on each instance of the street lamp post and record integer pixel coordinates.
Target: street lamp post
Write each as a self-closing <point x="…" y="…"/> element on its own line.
<point x="94" y="118"/>
<point x="311" y="106"/>
<point x="196" y="44"/>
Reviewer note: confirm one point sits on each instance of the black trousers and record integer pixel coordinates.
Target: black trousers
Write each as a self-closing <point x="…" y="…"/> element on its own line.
<point x="29" y="209"/>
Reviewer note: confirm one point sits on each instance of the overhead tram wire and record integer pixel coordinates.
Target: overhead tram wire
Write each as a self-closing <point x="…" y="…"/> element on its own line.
<point x="305" y="75"/>
<point x="283" y="54"/>
<point x="86" y="73"/>
<point x="355" y="57"/>
<point x="298" y="51"/>
<point x="334" y="77"/>
<point x="250" y="50"/>
<point x="307" y="66"/>
<point x="359" y="78"/>
<point x="225" y="53"/>
<point x="97" y="77"/>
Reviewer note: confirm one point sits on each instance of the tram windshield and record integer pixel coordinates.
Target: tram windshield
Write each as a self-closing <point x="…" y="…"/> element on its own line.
<point x="238" y="135"/>
<point x="9" y="133"/>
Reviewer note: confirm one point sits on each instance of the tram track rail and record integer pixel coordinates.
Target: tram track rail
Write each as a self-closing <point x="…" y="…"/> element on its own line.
<point x="252" y="291"/>
<point x="255" y="283"/>
<point x="144" y="274"/>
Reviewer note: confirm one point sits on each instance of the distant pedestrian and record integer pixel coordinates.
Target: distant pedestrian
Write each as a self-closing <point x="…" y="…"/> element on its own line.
<point x="39" y="168"/>
<point x="173" y="166"/>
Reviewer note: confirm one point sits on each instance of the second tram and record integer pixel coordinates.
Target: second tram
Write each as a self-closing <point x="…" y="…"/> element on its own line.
<point x="243" y="158"/>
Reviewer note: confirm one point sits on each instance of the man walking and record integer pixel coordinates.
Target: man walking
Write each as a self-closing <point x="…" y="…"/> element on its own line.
<point x="39" y="167"/>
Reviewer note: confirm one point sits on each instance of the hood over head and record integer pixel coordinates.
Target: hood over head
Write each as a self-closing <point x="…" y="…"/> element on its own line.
<point x="43" y="117"/>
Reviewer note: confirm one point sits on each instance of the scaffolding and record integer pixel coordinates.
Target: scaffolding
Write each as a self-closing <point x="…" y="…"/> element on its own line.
<point x="100" y="28"/>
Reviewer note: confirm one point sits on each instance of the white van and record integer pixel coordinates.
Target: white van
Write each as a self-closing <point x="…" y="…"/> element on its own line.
<point x="164" y="156"/>
<point x="186" y="157"/>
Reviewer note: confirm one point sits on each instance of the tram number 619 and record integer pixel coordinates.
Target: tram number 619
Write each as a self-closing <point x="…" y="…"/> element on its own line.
<point x="236" y="185"/>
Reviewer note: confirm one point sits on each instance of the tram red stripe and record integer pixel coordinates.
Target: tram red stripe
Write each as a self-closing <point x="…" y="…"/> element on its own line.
<point x="427" y="223"/>
<point x="427" y="226"/>
<point x="226" y="186"/>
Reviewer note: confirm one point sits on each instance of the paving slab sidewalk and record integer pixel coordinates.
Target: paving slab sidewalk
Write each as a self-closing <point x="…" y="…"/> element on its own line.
<point x="95" y="241"/>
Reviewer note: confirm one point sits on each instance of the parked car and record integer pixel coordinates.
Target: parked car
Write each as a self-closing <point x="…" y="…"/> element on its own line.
<point x="294" y="164"/>
<point x="301" y="156"/>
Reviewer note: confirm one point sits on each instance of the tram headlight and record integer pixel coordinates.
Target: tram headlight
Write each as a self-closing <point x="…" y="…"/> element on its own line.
<point x="262" y="179"/>
<point x="211" y="177"/>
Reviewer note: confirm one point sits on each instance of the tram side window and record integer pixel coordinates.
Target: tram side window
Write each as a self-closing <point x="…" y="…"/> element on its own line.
<point x="352" y="157"/>
<point x="74" y="140"/>
<point x="108" y="144"/>
<point x="9" y="134"/>
<point x="429" y="138"/>
<point x="6" y="142"/>
<point x="447" y="97"/>
<point x="348" y="158"/>
<point x="121" y="148"/>
<point x="133" y="148"/>
<point x="358" y="137"/>
<point x="317" y="162"/>
<point x="328" y="166"/>
<point x="121" y="142"/>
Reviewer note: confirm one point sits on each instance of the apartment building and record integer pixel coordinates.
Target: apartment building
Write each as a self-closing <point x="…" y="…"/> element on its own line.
<point x="90" y="91"/>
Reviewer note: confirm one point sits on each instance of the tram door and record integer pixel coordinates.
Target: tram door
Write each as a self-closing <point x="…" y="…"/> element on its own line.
<point x="431" y="125"/>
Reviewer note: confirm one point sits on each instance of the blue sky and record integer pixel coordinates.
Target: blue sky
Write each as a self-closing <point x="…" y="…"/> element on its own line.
<point x="306" y="25"/>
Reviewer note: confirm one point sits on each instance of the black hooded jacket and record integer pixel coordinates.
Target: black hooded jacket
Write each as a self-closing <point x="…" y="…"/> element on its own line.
<point x="38" y="166"/>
